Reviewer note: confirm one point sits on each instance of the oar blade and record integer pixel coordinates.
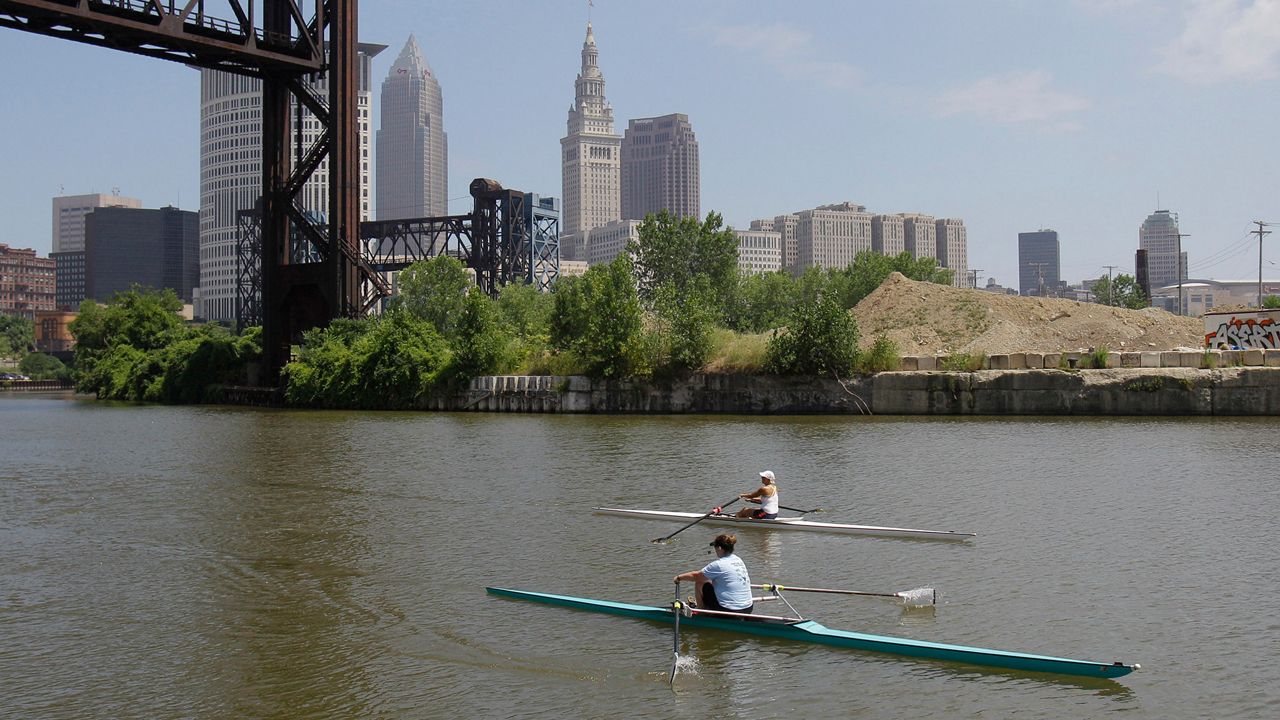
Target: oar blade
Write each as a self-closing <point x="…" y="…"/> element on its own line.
<point x="919" y="597"/>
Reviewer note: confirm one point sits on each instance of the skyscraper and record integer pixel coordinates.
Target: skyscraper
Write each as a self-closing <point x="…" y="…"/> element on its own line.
<point x="660" y="167"/>
<point x="69" y="212"/>
<point x="590" y="156"/>
<point x="953" y="249"/>
<point x="1159" y="237"/>
<point x="231" y="171"/>
<point x="1039" y="262"/>
<point x="412" y="147"/>
<point x="128" y="246"/>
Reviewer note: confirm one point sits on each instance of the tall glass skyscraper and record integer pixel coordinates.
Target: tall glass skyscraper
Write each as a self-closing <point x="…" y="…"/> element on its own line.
<point x="412" y="147"/>
<point x="1039" y="263"/>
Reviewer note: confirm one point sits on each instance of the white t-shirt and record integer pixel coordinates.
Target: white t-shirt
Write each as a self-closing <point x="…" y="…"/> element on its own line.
<point x="728" y="576"/>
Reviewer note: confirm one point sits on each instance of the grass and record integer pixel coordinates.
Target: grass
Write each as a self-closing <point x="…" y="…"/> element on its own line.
<point x="1098" y="358"/>
<point x="963" y="362"/>
<point x="735" y="353"/>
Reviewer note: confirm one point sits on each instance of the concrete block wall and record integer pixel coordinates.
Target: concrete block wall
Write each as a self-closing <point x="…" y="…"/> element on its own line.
<point x="1202" y="359"/>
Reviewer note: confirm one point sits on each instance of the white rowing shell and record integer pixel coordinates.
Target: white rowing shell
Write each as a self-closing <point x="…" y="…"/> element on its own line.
<point x="790" y="523"/>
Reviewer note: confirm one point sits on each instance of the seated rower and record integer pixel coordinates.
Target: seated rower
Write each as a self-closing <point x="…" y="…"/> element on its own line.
<point x="766" y="496"/>
<point x="723" y="584"/>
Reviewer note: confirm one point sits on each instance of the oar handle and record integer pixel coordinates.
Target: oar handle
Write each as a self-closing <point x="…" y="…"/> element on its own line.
<point x="802" y="512"/>
<point x="695" y="522"/>
<point x="774" y="587"/>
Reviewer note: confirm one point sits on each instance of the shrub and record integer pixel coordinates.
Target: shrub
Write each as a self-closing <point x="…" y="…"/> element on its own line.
<point x="820" y="338"/>
<point x="882" y="356"/>
<point x="1098" y="357"/>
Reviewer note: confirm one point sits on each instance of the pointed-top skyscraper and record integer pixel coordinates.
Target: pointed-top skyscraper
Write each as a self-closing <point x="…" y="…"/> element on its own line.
<point x="412" y="148"/>
<point x="590" y="154"/>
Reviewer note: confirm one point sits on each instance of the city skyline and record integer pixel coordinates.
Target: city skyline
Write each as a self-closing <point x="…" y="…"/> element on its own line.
<point x="1074" y="116"/>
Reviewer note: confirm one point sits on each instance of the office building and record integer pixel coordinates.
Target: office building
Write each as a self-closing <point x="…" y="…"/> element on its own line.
<point x="231" y="171"/>
<point x="762" y="224"/>
<point x="919" y="235"/>
<point x="69" y="212"/>
<point x="591" y="157"/>
<point x="785" y="225"/>
<point x="131" y="246"/>
<point x="1039" y="262"/>
<point x="659" y="169"/>
<point x="831" y="236"/>
<point x="759" y="251"/>
<point x="887" y="235"/>
<point x="412" y="146"/>
<point x="610" y="240"/>
<point x="26" y="282"/>
<point x="1159" y="236"/>
<point x="953" y="249"/>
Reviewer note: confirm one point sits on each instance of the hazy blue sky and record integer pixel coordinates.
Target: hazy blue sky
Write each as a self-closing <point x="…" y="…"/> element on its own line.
<point x="1014" y="115"/>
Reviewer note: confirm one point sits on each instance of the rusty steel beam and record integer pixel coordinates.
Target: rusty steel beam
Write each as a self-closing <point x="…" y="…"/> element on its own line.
<point x="179" y="31"/>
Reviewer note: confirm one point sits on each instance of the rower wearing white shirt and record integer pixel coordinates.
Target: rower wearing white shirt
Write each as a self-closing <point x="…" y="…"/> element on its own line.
<point x="766" y="496"/>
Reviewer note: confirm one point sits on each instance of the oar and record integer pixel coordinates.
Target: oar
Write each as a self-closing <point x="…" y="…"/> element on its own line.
<point x="675" y="610"/>
<point x="802" y="512"/>
<point x="917" y="597"/>
<point x="695" y="522"/>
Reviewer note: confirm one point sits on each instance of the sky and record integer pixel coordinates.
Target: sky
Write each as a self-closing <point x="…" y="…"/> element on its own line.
<point x="1081" y="116"/>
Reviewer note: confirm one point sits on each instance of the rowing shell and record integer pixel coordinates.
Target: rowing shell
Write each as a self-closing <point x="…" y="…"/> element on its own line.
<point x="790" y="523"/>
<point x="813" y="632"/>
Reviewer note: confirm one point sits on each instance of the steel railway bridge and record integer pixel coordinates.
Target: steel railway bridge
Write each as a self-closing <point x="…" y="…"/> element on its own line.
<point x="299" y="271"/>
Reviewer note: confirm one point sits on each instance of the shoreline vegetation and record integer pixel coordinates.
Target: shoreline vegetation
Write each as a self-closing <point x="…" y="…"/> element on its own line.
<point x="674" y="304"/>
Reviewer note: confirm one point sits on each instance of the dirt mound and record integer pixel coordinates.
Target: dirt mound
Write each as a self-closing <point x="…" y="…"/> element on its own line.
<point x="926" y="318"/>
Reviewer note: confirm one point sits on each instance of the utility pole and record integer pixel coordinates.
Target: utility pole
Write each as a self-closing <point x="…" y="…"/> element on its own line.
<point x="974" y="272"/>
<point x="1109" y="283"/>
<point x="1039" y="276"/>
<point x="1178" y="259"/>
<point x="1260" y="232"/>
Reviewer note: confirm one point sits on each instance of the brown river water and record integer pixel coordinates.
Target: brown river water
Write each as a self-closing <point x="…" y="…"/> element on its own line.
<point x="213" y="562"/>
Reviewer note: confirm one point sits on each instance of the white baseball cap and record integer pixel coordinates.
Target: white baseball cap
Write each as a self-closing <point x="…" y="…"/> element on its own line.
<point x="767" y="474"/>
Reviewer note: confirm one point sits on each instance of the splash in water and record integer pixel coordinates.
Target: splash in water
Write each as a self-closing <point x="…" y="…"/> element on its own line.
<point x="918" y="597"/>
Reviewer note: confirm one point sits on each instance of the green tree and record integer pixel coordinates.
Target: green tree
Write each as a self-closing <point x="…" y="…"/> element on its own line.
<point x="683" y="326"/>
<point x="479" y="347"/>
<point x="1271" y="302"/>
<point x="762" y="301"/>
<point x="435" y="290"/>
<point x="118" y="346"/>
<point x="821" y="338"/>
<point x="598" y="318"/>
<point x="674" y="250"/>
<point x="387" y="362"/>
<point x="39" y="366"/>
<point x="16" y="335"/>
<point x="1122" y="291"/>
<point x="526" y="310"/>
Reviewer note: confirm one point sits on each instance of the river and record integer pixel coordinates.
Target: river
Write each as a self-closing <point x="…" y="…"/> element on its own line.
<point x="211" y="562"/>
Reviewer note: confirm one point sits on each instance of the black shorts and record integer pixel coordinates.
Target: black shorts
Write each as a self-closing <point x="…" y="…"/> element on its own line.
<point x="762" y="515"/>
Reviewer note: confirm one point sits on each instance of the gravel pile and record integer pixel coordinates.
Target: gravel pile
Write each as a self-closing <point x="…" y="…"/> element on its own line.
<point x="926" y="318"/>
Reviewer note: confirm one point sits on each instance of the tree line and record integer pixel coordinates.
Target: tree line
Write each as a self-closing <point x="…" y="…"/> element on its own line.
<point x="674" y="303"/>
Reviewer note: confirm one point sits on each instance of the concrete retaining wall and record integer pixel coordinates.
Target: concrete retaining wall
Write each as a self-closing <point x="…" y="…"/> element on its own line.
<point x="1131" y="390"/>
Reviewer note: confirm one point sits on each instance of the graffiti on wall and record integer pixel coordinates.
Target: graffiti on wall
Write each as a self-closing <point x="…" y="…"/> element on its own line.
<point x="1241" y="331"/>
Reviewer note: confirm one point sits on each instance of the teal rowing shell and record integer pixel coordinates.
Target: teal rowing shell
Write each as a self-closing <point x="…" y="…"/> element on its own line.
<point x="814" y="632"/>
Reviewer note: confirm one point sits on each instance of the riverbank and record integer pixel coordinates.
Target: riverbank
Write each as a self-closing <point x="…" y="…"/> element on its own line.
<point x="1112" y="391"/>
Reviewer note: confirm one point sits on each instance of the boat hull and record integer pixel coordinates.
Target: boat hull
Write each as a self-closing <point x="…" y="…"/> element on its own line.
<point x="789" y="523"/>
<point x="814" y="632"/>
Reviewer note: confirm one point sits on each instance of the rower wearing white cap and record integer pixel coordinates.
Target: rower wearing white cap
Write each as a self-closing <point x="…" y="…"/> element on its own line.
<point x="766" y="496"/>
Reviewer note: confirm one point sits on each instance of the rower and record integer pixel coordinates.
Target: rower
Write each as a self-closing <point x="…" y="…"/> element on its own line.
<point x="766" y="496"/>
<point x="723" y="584"/>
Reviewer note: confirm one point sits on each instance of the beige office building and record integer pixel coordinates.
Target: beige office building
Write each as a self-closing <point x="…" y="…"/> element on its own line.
<point x="660" y="168"/>
<point x="608" y="241"/>
<point x="591" y="158"/>
<point x="953" y="249"/>
<point x="919" y="235"/>
<point x="887" y="235"/>
<point x="785" y="225"/>
<point x="831" y="238"/>
<point x="759" y="251"/>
